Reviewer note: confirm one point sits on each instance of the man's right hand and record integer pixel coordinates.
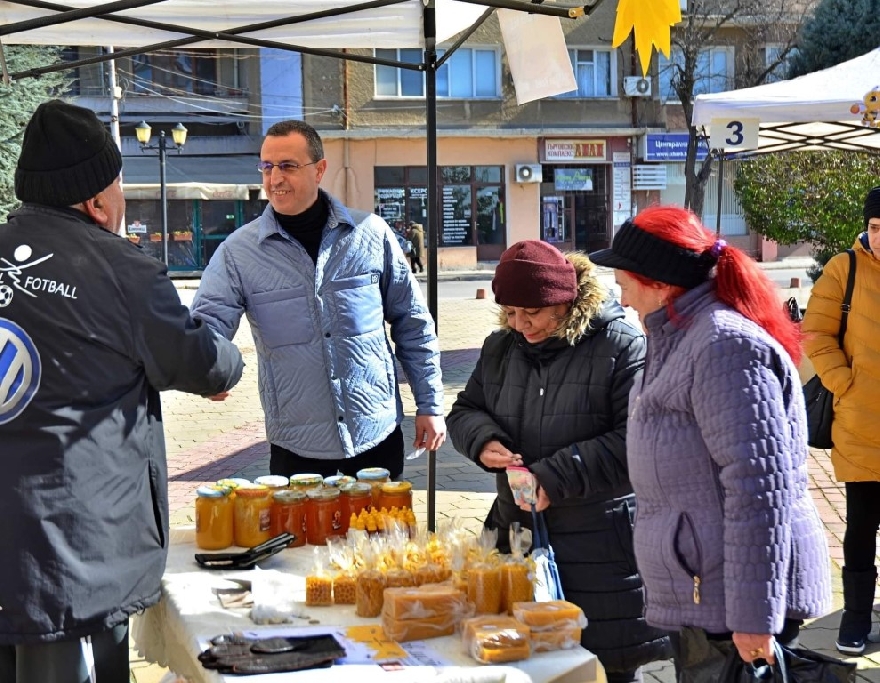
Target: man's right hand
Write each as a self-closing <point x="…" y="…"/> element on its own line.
<point x="497" y="456"/>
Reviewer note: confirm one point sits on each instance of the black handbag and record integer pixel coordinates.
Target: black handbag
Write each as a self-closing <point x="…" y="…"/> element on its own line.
<point x="820" y="401"/>
<point x="702" y="660"/>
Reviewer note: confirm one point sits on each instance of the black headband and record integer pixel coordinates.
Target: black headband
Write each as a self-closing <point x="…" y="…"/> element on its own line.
<point x="640" y="252"/>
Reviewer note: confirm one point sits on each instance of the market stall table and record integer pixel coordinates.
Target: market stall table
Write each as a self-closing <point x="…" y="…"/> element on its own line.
<point x="174" y="632"/>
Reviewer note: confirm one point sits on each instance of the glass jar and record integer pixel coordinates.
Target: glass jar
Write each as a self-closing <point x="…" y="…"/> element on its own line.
<point x="374" y="476"/>
<point x="253" y="515"/>
<point x="304" y="482"/>
<point x="323" y="515"/>
<point x="213" y="517"/>
<point x="338" y="481"/>
<point x="233" y="484"/>
<point x="395" y="494"/>
<point x="354" y="498"/>
<point x="289" y="514"/>
<point x="273" y="481"/>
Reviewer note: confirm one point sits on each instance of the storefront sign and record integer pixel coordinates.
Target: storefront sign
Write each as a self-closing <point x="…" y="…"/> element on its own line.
<point x="622" y="196"/>
<point x="574" y="150"/>
<point x="670" y="147"/>
<point x="573" y="179"/>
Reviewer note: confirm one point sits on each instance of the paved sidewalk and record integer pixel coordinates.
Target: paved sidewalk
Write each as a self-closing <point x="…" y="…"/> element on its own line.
<point x="207" y="441"/>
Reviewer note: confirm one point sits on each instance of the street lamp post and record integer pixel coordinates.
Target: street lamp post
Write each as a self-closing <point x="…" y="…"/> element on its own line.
<point x="178" y="134"/>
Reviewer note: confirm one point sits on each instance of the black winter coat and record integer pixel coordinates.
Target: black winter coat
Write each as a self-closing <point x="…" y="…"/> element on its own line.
<point x="90" y="330"/>
<point x="544" y="401"/>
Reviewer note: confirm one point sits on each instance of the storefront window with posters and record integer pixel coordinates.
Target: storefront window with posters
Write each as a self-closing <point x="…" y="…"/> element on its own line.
<point x="472" y="204"/>
<point x="574" y="194"/>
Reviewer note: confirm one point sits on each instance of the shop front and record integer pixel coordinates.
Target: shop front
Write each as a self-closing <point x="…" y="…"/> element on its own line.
<point x="581" y="182"/>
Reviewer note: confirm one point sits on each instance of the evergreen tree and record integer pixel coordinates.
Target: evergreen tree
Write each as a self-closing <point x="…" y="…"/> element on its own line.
<point x="18" y="101"/>
<point x="838" y="31"/>
<point x="814" y="197"/>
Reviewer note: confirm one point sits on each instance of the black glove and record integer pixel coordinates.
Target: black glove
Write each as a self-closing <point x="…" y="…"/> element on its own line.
<point x="240" y="655"/>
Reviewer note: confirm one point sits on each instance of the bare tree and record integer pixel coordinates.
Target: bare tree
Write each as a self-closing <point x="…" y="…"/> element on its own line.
<point x="748" y="28"/>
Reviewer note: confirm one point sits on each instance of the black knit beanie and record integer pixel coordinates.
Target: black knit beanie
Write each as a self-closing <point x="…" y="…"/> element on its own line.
<point x="534" y="274"/>
<point x="67" y="156"/>
<point x="872" y="205"/>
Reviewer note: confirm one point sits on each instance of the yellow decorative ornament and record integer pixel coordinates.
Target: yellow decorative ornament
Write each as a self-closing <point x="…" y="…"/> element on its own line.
<point x="650" y="22"/>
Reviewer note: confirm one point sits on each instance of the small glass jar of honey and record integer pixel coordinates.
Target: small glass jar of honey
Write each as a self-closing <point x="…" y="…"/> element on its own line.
<point x="289" y="514"/>
<point x="304" y="482"/>
<point x="213" y="518"/>
<point x="323" y="515"/>
<point x="395" y="494"/>
<point x="374" y="476"/>
<point x="252" y="515"/>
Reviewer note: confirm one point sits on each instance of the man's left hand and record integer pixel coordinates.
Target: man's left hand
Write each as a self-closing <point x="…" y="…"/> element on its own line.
<point x="430" y="432"/>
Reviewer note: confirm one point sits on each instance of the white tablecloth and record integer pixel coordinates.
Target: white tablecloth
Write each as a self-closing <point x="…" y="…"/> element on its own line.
<point x="169" y="633"/>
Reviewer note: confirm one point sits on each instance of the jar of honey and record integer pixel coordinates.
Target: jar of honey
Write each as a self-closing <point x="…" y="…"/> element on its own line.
<point x="253" y="515"/>
<point x="233" y="484"/>
<point x="213" y="518"/>
<point x="354" y="498"/>
<point x="289" y="514"/>
<point x="273" y="481"/>
<point x="304" y="482"/>
<point x="395" y="494"/>
<point x="323" y="515"/>
<point x="338" y="481"/>
<point x="374" y="476"/>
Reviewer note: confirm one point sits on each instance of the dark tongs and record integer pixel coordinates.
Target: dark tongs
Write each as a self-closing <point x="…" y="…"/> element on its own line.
<point x="247" y="559"/>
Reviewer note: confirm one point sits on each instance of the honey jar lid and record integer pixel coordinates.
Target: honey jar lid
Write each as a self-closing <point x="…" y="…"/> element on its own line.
<point x="396" y="487"/>
<point x="357" y="488"/>
<point x="373" y="474"/>
<point x="273" y="481"/>
<point x="213" y="491"/>
<point x="252" y="491"/>
<point x="233" y="483"/>
<point x="339" y="480"/>
<point x="289" y="496"/>
<point x="322" y="494"/>
<point x="304" y="481"/>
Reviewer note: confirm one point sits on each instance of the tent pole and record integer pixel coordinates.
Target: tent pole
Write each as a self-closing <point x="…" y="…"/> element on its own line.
<point x="720" y="189"/>
<point x="433" y="223"/>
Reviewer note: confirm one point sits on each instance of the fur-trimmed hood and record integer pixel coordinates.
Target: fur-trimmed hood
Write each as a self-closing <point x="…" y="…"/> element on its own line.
<point x="592" y="309"/>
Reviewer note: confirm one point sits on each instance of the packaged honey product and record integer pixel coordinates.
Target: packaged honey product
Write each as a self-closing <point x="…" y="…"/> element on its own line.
<point x="556" y="614"/>
<point x="214" y="516"/>
<point x="252" y="515"/>
<point x="319" y="590"/>
<point x="398" y="578"/>
<point x="431" y="600"/>
<point x="368" y="593"/>
<point x="496" y="639"/>
<point x="516" y="584"/>
<point x="404" y="630"/>
<point x="484" y="588"/>
<point x="562" y="639"/>
<point x="344" y="589"/>
<point x="427" y="573"/>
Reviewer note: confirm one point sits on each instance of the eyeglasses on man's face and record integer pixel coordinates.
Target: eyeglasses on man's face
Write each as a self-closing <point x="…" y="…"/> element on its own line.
<point x="286" y="167"/>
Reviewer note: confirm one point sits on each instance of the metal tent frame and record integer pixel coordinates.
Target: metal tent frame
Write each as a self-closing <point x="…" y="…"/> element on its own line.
<point x="192" y="34"/>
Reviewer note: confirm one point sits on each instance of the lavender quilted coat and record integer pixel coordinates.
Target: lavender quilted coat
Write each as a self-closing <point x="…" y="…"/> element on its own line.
<point x="727" y="537"/>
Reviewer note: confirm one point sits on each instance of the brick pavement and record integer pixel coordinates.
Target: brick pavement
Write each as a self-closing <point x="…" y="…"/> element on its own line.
<point x="207" y="441"/>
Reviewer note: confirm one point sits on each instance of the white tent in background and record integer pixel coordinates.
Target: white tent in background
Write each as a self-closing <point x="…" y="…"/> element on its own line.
<point x="817" y="111"/>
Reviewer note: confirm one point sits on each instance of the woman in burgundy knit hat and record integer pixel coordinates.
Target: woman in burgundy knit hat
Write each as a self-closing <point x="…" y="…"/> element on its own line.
<point x="550" y="392"/>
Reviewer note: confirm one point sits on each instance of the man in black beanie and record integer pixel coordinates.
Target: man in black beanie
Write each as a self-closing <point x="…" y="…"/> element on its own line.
<point x="91" y="329"/>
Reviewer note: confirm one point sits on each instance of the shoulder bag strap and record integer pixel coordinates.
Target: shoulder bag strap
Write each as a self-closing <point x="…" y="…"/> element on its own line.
<point x="847" y="298"/>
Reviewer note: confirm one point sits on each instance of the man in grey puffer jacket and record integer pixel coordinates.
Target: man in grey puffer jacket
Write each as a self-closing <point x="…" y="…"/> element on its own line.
<point x="318" y="282"/>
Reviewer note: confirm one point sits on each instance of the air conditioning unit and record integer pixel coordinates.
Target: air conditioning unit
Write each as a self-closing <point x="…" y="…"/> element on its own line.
<point x="529" y="173"/>
<point x="634" y="86"/>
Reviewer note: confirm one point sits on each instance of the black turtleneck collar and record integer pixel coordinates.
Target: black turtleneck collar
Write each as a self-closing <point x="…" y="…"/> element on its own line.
<point x="307" y="228"/>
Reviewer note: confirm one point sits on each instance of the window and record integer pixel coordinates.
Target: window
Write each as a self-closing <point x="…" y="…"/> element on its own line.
<point x="470" y="73"/>
<point x="171" y="72"/>
<point x="771" y="57"/>
<point x="713" y="73"/>
<point x="592" y="71"/>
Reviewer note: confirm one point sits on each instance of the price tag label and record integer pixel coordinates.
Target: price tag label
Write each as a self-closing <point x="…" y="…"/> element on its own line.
<point x="734" y="135"/>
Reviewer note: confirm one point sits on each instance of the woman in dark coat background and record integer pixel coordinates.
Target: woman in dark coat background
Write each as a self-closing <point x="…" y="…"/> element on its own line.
<point x="550" y="392"/>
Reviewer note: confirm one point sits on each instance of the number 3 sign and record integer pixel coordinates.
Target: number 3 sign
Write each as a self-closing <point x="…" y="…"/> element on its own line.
<point x="737" y="135"/>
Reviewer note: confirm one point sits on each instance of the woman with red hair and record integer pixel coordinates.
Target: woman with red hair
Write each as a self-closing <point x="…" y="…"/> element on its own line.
<point x="727" y="538"/>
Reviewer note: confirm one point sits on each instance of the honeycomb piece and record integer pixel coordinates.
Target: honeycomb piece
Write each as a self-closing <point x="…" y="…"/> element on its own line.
<point x="319" y="591"/>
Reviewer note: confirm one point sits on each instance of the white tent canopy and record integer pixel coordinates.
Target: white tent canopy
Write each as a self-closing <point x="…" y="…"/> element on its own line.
<point x="817" y="111"/>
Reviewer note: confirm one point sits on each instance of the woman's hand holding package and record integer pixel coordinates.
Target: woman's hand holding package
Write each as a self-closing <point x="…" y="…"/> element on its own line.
<point x="752" y="646"/>
<point x="495" y="455"/>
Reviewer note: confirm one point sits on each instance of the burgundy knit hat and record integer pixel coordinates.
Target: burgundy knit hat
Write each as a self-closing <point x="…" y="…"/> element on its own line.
<point x="534" y="274"/>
